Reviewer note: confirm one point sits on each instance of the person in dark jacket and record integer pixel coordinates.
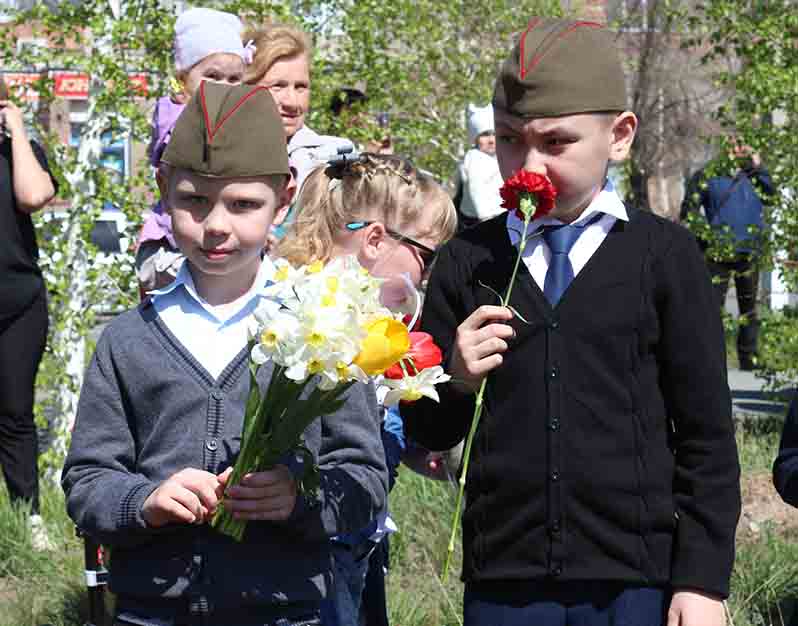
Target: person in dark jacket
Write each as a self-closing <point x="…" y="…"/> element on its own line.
<point x="733" y="206"/>
<point x="26" y="185"/>
<point x="603" y="487"/>
<point x="785" y="467"/>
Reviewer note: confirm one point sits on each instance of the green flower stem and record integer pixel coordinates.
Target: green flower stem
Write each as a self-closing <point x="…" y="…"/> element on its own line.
<point x="528" y="215"/>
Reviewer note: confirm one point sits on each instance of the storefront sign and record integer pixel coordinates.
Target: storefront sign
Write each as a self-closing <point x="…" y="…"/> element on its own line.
<point x="20" y="84"/>
<point x="68" y="85"/>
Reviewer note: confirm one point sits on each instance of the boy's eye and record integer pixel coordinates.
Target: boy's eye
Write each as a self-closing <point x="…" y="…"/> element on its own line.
<point x="507" y="139"/>
<point x="245" y="205"/>
<point x="559" y="141"/>
<point x="213" y="76"/>
<point x="191" y="200"/>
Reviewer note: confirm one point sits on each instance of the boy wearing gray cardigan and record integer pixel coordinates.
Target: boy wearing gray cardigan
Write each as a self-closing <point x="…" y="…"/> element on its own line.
<point x="160" y="414"/>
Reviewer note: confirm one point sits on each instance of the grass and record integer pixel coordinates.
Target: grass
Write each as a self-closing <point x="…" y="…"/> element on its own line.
<point x="47" y="589"/>
<point x="758" y="443"/>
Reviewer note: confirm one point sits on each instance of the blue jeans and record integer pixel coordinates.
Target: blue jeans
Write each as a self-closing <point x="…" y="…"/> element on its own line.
<point x="564" y="604"/>
<point x="349" y="576"/>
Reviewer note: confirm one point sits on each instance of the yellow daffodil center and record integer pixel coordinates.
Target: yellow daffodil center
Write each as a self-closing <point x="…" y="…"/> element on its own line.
<point x="315" y="267"/>
<point x="281" y="274"/>
<point x="411" y="395"/>
<point x="268" y="338"/>
<point x="315" y="366"/>
<point x="315" y="339"/>
<point x="342" y="369"/>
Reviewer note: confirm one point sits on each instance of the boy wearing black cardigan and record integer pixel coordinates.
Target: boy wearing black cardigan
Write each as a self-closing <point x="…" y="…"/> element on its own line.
<point x="604" y="480"/>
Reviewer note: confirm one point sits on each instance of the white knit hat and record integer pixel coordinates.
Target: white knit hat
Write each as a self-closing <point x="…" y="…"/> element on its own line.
<point x="480" y="120"/>
<point x="200" y="33"/>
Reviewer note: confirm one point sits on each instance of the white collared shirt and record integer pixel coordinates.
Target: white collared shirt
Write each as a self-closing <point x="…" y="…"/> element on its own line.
<point x="537" y="255"/>
<point x="214" y="335"/>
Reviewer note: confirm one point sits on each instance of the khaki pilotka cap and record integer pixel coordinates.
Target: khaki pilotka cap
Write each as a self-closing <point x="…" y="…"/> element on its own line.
<point x="561" y="67"/>
<point x="229" y="131"/>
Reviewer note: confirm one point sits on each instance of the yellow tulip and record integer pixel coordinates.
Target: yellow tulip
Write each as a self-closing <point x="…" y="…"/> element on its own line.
<point x="387" y="342"/>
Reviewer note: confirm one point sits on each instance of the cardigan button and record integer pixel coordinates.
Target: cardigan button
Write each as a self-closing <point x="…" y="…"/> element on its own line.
<point x="554" y="424"/>
<point x="554" y="372"/>
<point x="555" y="476"/>
<point x="555" y="527"/>
<point x="212" y="445"/>
<point x="556" y="570"/>
<point x="554" y="325"/>
<point x="216" y="394"/>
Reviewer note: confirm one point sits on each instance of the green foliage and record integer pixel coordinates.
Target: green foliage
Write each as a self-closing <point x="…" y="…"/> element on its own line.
<point x="758" y="443"/>
<point x="40" y="587"/>
<point x="751" y="49"/>
<point x="423" y="511"/>
<point x="778" y="348"/>
<point x="421" y="61"/>
<point x="765" y="581"/>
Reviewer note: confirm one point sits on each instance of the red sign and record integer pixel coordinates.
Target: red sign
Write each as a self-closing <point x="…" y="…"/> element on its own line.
<point x="68" y="85"/>
<point x="20" y="84"/>
<point x="72" y="86"/>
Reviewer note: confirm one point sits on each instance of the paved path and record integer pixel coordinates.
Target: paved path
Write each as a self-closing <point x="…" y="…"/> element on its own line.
<point x="749" y="399"/>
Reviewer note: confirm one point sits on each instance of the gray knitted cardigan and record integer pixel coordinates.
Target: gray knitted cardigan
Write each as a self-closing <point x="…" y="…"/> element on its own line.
<point x="147" y="410"/>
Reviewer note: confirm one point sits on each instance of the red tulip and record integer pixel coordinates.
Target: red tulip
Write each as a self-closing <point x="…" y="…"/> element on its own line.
<point x="423" y="353"/>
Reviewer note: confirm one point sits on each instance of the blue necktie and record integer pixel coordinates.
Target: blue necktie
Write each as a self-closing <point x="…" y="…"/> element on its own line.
<point x="560" y="240"/>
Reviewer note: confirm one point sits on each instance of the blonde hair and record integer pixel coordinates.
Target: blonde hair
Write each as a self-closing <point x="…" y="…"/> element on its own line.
<point x="378" y="187"/>
<point x="274" y="42"/>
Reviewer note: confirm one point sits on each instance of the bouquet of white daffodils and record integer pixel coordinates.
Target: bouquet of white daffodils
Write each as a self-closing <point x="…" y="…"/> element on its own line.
<point x="324" y="328"/>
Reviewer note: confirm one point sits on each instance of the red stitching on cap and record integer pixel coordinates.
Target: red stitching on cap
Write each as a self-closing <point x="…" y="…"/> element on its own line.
<point x="548" y="46"/>
<point x="212" y="132"/>
<point x="531" y="26"/>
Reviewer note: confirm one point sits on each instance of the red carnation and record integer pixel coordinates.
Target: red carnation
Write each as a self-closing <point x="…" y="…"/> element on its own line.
<point x="525" y="184"/>
<point x="423" y="353"/>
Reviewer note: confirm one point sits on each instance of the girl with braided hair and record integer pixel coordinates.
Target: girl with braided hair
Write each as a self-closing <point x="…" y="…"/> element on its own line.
<point x="393" y="218"/>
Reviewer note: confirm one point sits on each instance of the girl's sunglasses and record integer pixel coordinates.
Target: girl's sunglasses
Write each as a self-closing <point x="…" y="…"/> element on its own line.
<point x="427" y="254"/>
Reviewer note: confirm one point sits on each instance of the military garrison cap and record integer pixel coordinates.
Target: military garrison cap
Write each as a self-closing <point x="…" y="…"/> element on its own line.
<point x="229" y="131"/>
<point x="561" y="67"/>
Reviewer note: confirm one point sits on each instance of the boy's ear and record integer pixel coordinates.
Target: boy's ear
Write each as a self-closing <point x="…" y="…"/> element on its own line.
<point x="624" y="127"/>
<point x="163" y="188"/>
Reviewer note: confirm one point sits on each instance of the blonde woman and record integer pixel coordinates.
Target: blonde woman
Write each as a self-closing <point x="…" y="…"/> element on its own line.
<point x="282" y="64"/>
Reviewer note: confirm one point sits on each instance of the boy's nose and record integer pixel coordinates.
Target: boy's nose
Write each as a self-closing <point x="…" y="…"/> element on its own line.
<point x="534" y="162"/>
<point x="216" y="222"/>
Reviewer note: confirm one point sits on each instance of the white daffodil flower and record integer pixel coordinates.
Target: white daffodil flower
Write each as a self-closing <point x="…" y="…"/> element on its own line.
<point x="412" y="388"/>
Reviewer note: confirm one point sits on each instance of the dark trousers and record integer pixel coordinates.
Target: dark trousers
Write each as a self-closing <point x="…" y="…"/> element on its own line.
<point x="746" y="281"/>
<point x="22" y="341"/>
<point x="374" y="605"/>
<point x="565" y="604"/>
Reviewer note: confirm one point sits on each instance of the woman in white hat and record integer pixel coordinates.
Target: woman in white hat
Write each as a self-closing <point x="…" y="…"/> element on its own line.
<point x="479" y="178"/>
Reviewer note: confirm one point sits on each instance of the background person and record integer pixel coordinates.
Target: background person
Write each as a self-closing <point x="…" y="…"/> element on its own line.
<point x="733" y="204"/>
<point x="478" y="178"/>
<point x="207" y="46"/>
<point x="282" y="65"/>
<point x="26" y="185"/>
